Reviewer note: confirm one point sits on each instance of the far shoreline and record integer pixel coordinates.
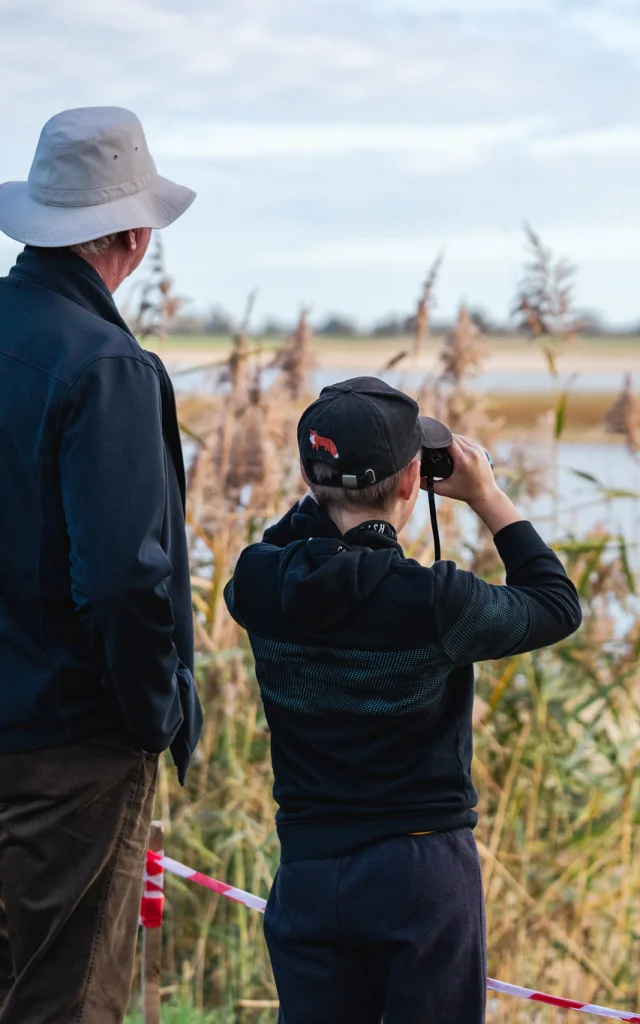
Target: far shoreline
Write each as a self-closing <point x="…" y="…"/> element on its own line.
<point x="618" y="354"/>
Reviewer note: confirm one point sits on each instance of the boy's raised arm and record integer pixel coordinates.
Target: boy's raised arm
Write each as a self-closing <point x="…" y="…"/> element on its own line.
<point x="539" y="604"/>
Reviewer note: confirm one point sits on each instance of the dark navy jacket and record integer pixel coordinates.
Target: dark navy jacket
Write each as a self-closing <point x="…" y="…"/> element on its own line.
<point x="96" y="628"/>
<point x="365" y="665"/>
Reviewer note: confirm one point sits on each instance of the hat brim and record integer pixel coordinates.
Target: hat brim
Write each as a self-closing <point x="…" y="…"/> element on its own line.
<point x="435" y="434"/>
<point x="32" y="223"/>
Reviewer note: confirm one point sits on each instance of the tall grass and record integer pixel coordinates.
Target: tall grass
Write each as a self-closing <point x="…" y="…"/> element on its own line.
<point x="182" y="1013"/>
<point x="557" y="732"/>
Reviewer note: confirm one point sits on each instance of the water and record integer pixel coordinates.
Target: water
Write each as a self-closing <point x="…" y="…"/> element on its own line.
<point x="583" y="505"/>
<point x="201" y="379"/>
<point x="496" y="382"/>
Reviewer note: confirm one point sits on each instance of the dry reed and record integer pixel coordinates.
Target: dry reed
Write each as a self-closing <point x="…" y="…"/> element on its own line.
<point x="420" y="324"/>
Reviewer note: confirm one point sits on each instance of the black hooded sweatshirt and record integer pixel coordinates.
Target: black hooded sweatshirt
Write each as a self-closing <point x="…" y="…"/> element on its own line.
<point x="365" y="664"/>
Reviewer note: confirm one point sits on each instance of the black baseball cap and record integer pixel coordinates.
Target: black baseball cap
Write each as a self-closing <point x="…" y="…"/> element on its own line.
<point x="366" y="430"/>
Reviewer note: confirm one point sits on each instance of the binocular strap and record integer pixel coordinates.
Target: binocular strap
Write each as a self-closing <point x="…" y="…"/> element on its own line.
<point x="434" y="519"/>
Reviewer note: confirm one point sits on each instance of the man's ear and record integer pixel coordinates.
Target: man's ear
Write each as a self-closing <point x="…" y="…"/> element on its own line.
<point x="135" y="238"/>
<point x="408" y="480"/>
<point x="129" y="240"/>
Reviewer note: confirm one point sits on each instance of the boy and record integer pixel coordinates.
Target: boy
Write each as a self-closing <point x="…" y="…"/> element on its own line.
<point x="365" y="665"/>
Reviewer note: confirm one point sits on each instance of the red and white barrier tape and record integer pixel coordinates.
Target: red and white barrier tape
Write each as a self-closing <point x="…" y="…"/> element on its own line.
<point x="153" y="893"/>
<point x="230" y="891"/>
<point x="157" y="863"/>
<point x="565" y="1004"/>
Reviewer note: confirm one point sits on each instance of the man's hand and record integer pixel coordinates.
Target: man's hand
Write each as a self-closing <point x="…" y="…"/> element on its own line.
<point x="473" y="482"/>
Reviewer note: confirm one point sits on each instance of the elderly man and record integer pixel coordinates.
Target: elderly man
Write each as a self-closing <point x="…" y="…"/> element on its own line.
<point x="96" y="642"/>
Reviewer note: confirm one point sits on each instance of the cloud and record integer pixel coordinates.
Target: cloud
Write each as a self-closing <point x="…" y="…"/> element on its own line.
<point x="616" y="140"/>
<point x="448" y="147"/>
<point x="615" y="26"/>
<point x="376" y="58"/>
<point x="480" y="8"/>
<point x="617" y="243"/>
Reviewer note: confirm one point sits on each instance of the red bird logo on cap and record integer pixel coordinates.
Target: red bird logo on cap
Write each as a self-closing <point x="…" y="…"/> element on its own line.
<point x="318" y="442"/>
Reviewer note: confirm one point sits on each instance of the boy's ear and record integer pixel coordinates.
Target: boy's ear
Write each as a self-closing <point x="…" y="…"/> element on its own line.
<point x="408" y="480"/>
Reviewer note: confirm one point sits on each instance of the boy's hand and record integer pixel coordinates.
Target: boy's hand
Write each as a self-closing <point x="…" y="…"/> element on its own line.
<point x="473" y="481"/>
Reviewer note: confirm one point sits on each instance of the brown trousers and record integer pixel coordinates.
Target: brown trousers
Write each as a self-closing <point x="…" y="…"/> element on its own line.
<point x="74" y="826"/>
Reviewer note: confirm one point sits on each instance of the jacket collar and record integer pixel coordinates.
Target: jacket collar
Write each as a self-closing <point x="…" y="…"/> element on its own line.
<point x="66" y="273"/>
<point x="307" y="520"/>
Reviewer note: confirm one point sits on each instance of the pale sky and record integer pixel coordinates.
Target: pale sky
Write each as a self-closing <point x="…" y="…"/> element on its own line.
<point x="337" y="145"/>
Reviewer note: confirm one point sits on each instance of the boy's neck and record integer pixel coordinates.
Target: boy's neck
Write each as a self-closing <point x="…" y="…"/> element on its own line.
<point x="346" y="520"/>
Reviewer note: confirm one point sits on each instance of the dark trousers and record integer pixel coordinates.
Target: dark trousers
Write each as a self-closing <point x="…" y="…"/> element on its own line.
<point x="393" y="933"/>
<point x="74" y="826"/>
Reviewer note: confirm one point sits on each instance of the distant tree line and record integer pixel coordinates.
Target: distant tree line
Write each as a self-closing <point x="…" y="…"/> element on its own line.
<point x="339" y="325"/>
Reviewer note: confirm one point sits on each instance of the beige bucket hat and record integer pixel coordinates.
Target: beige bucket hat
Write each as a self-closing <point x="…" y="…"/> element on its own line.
<point x="92" y="175"/>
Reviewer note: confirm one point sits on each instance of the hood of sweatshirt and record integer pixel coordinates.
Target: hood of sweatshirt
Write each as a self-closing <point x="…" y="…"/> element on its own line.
<point x="324" y="576"/>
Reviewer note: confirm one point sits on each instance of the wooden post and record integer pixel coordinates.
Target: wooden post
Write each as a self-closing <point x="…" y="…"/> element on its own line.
<point x="152" y="948"/>
<point x="245" y="1008"/>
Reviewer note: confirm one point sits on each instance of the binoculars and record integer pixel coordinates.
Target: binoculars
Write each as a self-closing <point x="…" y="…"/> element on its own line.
<point x="437" y="462"/>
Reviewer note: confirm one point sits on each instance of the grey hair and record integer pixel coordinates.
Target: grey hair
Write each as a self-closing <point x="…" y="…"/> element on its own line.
<point x="96" y="246"/>
<point x="380" y="496"/>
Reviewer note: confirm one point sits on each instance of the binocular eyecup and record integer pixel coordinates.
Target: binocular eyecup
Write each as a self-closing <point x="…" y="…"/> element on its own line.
<point x="438" y="464"/>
